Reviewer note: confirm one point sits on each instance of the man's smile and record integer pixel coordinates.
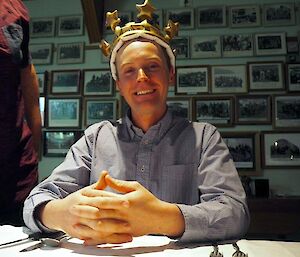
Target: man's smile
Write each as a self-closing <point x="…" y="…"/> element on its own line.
<point x="145" y="92"/>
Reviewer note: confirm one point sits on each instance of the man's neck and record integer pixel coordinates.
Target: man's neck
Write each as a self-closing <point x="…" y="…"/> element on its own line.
<point x="144" y="121"/>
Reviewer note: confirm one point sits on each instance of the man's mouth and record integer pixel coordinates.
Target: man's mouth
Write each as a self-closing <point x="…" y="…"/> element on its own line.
<point x="145" y="92"/>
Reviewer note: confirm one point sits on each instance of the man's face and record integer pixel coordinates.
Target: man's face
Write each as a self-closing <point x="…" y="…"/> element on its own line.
<point x="143" y="78"/>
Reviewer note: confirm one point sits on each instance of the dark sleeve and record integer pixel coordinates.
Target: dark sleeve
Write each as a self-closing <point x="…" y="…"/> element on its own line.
<point x="26" y="57"/>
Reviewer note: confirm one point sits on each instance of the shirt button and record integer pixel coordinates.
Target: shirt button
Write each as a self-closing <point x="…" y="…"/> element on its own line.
<point x="143" y="168"/>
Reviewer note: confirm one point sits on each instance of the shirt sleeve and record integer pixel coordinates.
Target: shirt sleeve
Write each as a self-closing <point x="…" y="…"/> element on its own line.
<point x="222" y="212"/>
<point x="26" y="57"/>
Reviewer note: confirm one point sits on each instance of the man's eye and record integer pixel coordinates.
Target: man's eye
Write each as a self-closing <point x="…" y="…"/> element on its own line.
<point x="153" y="66"/>
<point x="129" y="71"/>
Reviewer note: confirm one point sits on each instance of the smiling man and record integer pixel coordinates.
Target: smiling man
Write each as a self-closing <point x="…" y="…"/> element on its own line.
<point x="143" y="174"/>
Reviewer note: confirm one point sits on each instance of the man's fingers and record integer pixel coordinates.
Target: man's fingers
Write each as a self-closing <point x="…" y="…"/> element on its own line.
<point x="115" y="203"/>
<point x="90" y="192"/>
<point x="112" y="239"/>
<point x="121" y="185"/>
<point x="85" y="211"/>
<point x="101" y="184"/>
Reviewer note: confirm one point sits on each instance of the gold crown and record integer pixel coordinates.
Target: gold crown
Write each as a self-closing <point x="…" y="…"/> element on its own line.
<point x="145" y="26"/>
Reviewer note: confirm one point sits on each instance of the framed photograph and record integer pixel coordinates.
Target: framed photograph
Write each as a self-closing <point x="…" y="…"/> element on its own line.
<point x="181" y="45"/>
<point x="42" y="27"/>
<point x="180" y="107"/>
<point x="216" y="110"/>
<point x="237" y="45"/>
<point x="279" y="14"/>
<point x="211" y="16"/>
<point x="229" y="79"/>
<point x="292" y="45"/>
<point x="63" y="112"/>
<point x="99" y="109"/>
<point x="253" y="109"/>
<point x="192" y="80"/>
<point x="244" y="148"/>
<point x="42" y="109"/>
<point x="293" y="76"/>
<point x="158" y="19"/>
<point x="286" y="111"/>
<point x="266" y="76"/>
<point x="185" y="17"/>
<point x="97" y="82"/>
<point x="70" y="53"/>
<point x="70" y="25"/>
<point x="65" y="82"/>
<point x="41" y="53"/>
<point x="205" y="47"/>
<point x="57" y="143"/>
<point x="42" y="78"/>
<point x="244" y="16"/>
<point x="270" y="44"/>
<point x="280" y="149"/>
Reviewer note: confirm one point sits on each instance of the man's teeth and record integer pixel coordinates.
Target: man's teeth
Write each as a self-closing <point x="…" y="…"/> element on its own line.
<point x="145" y="92"/>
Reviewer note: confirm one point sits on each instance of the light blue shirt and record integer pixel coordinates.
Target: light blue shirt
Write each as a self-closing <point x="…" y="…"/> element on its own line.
<point x="175" y="160"/>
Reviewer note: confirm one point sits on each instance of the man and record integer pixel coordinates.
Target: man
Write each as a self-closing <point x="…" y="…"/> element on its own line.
<point x="150" y="163"/>
<point x="19" y="99"/>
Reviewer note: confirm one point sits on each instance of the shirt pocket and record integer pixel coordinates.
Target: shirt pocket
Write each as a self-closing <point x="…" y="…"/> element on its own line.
<point x="179" y="183"/>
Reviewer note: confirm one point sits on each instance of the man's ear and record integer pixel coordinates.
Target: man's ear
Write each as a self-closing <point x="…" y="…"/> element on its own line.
<point x="117" y="86"/>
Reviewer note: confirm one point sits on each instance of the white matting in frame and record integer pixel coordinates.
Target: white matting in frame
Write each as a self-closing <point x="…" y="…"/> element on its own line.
<point x="205" y="47"/>
<point x="270" y="44"/>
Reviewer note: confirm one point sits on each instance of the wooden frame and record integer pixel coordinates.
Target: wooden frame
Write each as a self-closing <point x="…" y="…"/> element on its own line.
<point x="42" y="78"/>
<point x="211" y="16"/>
<point x="280" y="149"/>
<point x="270" y="44"/>
<point x="217" y="110"/>
<point x="42" y="27"/>
<point x="293" y="76"/>
<point x="253" y="109"/>
<point x="184" y="16"/>
<point x="41" y="53"/>
<point x="71" y="25"/>
<point x="65" y="82"/>
<point x="244" y="16"/>
<point x="244" y="148"/>
<point x="180" y="106"/>
<point x="205" y="47"/>
<point x="237" y="45"/>
<point x="68" y="53"/>
<point x="279" y="14"/>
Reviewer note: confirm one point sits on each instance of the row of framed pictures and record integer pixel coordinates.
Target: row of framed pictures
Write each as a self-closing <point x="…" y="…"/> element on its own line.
<point x="273" y="14"/>
<point x="250" y="151"/>
<point x="283" y="111"/>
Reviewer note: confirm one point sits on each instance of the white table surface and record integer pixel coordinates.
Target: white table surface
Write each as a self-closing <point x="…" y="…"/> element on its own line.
<point x="145" y="246"/>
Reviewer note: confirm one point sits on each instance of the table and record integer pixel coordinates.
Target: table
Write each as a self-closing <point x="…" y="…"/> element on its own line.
<point x="145" y="246"/>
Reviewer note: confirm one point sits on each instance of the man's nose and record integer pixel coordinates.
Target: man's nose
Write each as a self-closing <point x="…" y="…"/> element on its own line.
<point x="141" y="76"/>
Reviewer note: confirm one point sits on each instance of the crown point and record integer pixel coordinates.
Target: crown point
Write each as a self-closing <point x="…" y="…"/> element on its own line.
<point x="105" y="47"/>
<point x="171" y="29"/>
<point x="145" y="10"/>
<point x="112" y="19"/>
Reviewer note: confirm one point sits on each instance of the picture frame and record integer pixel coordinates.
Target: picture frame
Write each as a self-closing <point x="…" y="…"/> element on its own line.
<point x="42" y="78"/>
<point x="158" y="18"/>
<point x="280" y="149"/>
<point x="253" y="109"/>
<point x="180" y="106"/>
<point x="205" y="47"/>
<point x="211" y="16"/>
<point x="270" y="44"/>
<point x="42" y="27"/>
<point x="58" y="142"/>
<point x="292" y="45"/>
<point x="244" y="16"/>
<point x="244" y="148"/>
<point x="192" y="80"/>
<point x="266" y="76"/>
<point x="286" y="114"/>
<point x="97" y="110"/>
<point x="229" y="79"/>
<point x="97" y="82"/>
<point x="63" y="113"/>
<point x="217" y="110"/>
<point x="68" y="53"/>
<point x="184" y="16"/>
<point x="41" y="53"/>
<point x="65" y="82"/>
<point x="181" y="46"/>
<point x="42" y="102"/>
<point x="293" y="77"/>
<point x="237" y="45"/>
<point x="278" y="14"/>
<point x="71" y="25"/>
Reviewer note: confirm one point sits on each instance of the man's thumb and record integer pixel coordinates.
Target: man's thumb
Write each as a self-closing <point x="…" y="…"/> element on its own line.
<point x="120" y="185"/>
<point x="101" y="183"/>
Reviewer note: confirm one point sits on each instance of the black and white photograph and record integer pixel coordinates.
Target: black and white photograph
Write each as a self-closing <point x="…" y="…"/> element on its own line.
<point x="205" y="47"/>
<point x="42" y="81"/>
<point x="237" y="45"/>
<point x="42" y="109"/>
<point x="97" y="82"/>
<point x="70" y="53"/>
<point x="270" y="44"/>
<point x="100" y="109"/>
<point x="41" y="53"/>
<point x="181" y="45"/>
<point x="293" y="76"/>
<point x="42" y="27"/>
<point x="286" y="111"/>
<point x="253" y="109"/>
<point x="229" y="79"/>
<point x="185" y="17"/>
<point x="211" y="16"/>
<point x="70" y="25"/>
<point x="63" y="112"/>
<point x="192" y="80"/>
<point x="279" y="14"/>
<point x="281" y="149"/>
<point x="244" y="16"/>
<point x="57" y="143"/>
<point x="215" y="110"/>
<point x="179" y="106"/>
<point x="244" y="149"/>
<point x="266" y="76"/>
<point x="65" y="82"/>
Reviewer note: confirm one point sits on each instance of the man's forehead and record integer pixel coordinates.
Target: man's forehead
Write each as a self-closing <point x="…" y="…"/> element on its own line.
<point x="139" y="42"/>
